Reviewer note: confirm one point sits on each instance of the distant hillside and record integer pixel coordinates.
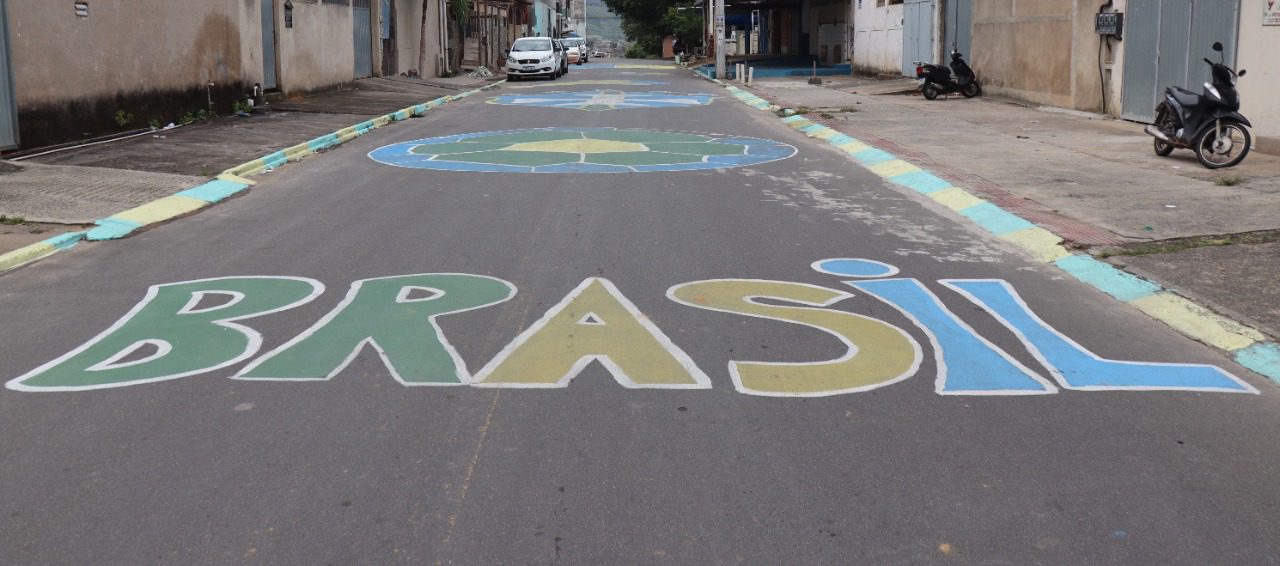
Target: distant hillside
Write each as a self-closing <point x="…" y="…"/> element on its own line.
<point x="600" y="22"/>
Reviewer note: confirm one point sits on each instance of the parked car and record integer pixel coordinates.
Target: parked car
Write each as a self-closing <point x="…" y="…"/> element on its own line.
<point x="564" y="57"/>
<point x="533" y="57"/>
<point x="577" y="50"/>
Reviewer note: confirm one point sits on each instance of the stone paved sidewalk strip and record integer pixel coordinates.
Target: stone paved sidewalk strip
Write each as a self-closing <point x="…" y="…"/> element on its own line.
<point x="229" y="183"/>
<point x="96" y="191"/>
<point x="1248" y="346"/>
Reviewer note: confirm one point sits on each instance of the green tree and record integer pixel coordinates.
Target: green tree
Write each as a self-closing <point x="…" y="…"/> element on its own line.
<point x="646" y="22"/>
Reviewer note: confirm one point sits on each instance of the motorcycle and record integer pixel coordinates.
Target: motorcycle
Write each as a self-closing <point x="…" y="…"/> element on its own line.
<point x="936" y="79"/>
<point x="1210" y="124"/>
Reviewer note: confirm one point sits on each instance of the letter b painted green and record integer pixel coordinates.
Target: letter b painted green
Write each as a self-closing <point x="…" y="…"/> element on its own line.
<point x="172" y="334"/>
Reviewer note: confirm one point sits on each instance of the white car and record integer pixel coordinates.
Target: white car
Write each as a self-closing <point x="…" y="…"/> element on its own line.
<point x="534" y="57"/>
<point x="577" y="50"/>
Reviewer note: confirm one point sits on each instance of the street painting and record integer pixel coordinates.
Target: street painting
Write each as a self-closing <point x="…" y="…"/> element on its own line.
<point x="581" y="150"/>
<point x="173" y="333"/>
<point x="601" y="100"/>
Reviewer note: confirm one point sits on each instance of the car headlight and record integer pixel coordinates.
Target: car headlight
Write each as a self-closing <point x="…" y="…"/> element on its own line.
<point x="546" y="59"/>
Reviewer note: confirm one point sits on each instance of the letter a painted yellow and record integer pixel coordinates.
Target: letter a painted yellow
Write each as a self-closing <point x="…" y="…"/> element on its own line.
<point x="878" y="354"/>
<point x="593" y="322"/>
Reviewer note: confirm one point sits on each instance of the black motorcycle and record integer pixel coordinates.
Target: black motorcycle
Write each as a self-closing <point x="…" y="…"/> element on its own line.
<point x="936" y="79"/>
<point x="1209" y="124"/>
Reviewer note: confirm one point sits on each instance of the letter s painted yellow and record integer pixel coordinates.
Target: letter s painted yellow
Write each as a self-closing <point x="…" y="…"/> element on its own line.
<point x="879" y="353"/>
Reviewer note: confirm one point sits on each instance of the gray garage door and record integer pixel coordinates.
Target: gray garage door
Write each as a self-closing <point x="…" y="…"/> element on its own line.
<point x="362" y="33"/>
<point x="1165" y="44"/>
<point x="958" y="24"/>
<point x="8" y="106"/>
<point x="917" y="34"/>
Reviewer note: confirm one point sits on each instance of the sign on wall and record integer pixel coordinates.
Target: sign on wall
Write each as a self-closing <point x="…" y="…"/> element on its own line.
<point x="1271" y="14"/>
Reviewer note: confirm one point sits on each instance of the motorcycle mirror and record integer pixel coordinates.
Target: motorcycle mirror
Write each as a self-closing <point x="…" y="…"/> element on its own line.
<point x="1217" y="46"/>
<point x="1241" y="73"/>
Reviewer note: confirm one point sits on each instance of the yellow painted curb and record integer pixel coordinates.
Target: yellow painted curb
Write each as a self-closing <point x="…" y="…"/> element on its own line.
<point x="298" y="151"/>
<point x="853" y="147"/>
<point x="825" y="134"/>
<point x="1043" y="244"/>
<point x="955" y="198"/>
<point x="381" y="121"/>
<point x="161" y="210"/>
<point x="236" y="179"/>
<point x="1198" y="322"/>
<point x="247" y="168"/>
<point x="893" y="168"/>
<point x="798" y="124"/>
<point x="26" y="254"/>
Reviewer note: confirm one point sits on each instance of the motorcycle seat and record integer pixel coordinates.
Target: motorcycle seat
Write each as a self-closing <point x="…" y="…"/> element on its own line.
<point x="1184" y="97"/>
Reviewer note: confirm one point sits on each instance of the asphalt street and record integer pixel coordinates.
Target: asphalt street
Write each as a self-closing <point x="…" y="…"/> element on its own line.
<point x="742" y="406"/>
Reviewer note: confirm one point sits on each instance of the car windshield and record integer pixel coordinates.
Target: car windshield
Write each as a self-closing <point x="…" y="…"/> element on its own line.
<point x="532" y="45"/>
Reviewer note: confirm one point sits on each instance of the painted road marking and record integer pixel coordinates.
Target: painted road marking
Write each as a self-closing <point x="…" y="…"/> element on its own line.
<point x="609" y="82"/>
<point x="877" y="353"/>
<point x="594" y="322"/>
<point x="581" y="150"/>
<point x="600" y="100"/>
<point x="968" y="364"/>
<point x="188" y="341"/>
<point x="1076" y="367"/>
<point x="188" y="328"/>
<point x="384" y="313"/>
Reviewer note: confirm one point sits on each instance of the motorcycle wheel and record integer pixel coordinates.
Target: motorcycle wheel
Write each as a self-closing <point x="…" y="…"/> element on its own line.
<point x="1216" y="153"/>
<point x="1165" y="123"/>
<point x="930" y="92"/>
<point x="971" y="90"/>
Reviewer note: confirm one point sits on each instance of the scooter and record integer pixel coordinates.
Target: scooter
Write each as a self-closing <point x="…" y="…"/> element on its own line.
<point x="936" y="79"/>
<point x="1209" y="124"/>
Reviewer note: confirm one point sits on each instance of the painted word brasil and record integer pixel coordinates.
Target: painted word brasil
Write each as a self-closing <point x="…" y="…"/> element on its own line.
<point x="195" y="327"/>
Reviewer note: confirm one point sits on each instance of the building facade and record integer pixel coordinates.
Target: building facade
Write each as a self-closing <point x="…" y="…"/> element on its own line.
<point x="80" y="69"/>
<point x="1050" y="52"/>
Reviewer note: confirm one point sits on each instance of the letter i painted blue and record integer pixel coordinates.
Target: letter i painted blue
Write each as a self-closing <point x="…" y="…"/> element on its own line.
<point x="968" y="364"/>
<point x="1078" y="368"/>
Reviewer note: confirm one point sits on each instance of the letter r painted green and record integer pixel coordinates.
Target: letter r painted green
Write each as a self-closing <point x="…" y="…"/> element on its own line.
<point x="396" y="315"/>
<point x="186" y="338"/>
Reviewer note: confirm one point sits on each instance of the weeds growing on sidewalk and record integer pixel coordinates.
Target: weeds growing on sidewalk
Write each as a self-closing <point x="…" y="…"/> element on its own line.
<point x="1180" y="244"/>
<point x="12" y="220"/>
<point x="1228" y="180"/>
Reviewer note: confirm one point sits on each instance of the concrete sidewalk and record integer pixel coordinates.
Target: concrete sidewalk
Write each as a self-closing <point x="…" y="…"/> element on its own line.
<point x="67" y="189"/>
<point x="1092" y="180"/>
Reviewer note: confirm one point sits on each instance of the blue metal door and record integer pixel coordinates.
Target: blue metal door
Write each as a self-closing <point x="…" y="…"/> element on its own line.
<point x="362" y="34"/>
<point x="1166" y="42"/>
<point x="959" y="27"/>
<point x="8" y="106"/>
<point x="269" y="80"/>
<point x="917" y="34"/>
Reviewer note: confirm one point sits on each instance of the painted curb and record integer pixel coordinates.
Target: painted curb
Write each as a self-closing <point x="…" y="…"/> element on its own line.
<point x="1246" y="345"/>
<point x="225" y="185"/>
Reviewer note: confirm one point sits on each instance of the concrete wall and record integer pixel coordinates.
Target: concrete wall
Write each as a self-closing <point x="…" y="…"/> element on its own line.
<point x="318" y="51"/>
<point x="1041" y="51"/>
<point x="877" y="37"/>
<point x="409" y="37"/>
<point x="1259" y="53"/>
<point x="148" y="58"/>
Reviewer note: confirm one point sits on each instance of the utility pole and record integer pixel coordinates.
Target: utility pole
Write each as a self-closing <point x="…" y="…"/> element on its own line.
<point x="719" y="39"/>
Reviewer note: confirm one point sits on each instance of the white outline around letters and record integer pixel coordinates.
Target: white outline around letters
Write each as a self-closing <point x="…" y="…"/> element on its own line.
<point x="459" y="365"/>
<point x="1057" y="374"/>
<point x="941" y="381"/>
<point x="852" y="348"/>
<point x="254" y="337"/>
<point x="701" y="381"/>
